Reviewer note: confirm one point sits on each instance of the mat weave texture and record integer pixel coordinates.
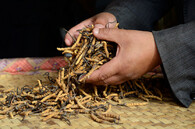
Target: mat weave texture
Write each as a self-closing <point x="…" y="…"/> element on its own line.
<point x="161" y="115"/>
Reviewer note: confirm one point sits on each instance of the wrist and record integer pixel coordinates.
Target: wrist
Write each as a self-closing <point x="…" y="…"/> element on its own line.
<point x="156" y="55"/>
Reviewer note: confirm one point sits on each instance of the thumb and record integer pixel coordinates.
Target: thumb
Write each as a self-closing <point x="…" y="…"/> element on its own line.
<point x="105" y="72"/>
<point x="107" y="34"/>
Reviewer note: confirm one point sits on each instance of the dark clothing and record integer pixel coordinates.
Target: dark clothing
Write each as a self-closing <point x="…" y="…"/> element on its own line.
<point x="176" y="45"/>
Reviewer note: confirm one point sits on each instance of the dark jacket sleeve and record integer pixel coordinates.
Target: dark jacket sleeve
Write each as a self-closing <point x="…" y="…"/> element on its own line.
<point x="138" y="14"/>
<point x="176" y="47"/>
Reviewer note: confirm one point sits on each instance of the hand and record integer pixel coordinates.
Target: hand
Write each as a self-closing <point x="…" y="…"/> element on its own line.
<point x="99" y="20"/>
<point x="136" y="54"/>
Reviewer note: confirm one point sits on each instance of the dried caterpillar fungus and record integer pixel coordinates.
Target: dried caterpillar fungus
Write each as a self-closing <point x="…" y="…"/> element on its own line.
<point x="66" y="95"/>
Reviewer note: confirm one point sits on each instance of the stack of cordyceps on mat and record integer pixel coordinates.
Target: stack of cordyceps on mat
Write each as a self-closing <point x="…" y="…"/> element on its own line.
<point x="68" y="95"/>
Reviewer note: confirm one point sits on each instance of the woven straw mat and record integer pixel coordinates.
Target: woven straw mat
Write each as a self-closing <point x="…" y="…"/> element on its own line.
<point x="155" y="115"/>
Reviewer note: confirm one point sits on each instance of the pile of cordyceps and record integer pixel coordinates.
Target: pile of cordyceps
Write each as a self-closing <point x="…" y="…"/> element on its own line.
<point x="68" y="95"/>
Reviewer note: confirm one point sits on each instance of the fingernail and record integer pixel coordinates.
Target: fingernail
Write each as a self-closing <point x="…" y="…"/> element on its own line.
<point x="67" y="41"/>
<point x="96" y="30"/>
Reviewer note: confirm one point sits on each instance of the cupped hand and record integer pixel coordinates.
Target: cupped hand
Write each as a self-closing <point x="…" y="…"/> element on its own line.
<point x="100" y="21"/>
<point x="136" y="54"/>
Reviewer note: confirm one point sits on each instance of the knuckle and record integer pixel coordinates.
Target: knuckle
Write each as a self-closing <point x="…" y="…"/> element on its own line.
<point x="102" y="77"/>
<point x="132" y="76"/>
<point x="106" y="31"/>
<point x="100" y="21"/>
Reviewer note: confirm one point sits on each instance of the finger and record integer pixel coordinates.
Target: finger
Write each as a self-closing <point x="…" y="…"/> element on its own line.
<point x="106" y="71"/>
<point x="74" y="33"/>
<point x="71" y="33"/>
<point x="108" y="34"/>
<point x="105" y="19"/>
<point x="114" y="80"/>
<point x="99" y="26"/>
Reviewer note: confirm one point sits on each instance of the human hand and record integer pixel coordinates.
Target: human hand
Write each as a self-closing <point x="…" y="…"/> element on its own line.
<point x="136" y="54"/>
<point x="100" y="21"/>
